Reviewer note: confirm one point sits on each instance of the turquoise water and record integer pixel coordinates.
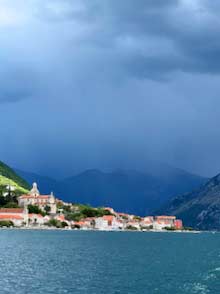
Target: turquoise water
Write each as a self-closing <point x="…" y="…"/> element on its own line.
<point x="108" y="262"/>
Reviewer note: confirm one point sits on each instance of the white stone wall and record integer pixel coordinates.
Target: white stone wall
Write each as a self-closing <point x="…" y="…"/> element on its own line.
<point x="101" y="224"/>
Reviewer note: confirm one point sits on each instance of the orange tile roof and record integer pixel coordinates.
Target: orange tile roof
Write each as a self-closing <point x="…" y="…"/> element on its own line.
<point x="11" y="210"/>
<point x="165" y="217"/>
<point x="60" y="217"/>
<point x="10" y="216"/>
<point x="35" y="197"/>
<point x="163" y="222"/>
<point x="108" y="217"/>
<point x="79" y="223"/>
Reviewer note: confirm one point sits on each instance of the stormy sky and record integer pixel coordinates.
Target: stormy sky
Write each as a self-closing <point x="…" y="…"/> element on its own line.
<point x="110" y="84"/>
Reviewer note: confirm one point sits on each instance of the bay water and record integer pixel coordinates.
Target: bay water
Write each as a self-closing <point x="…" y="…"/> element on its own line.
<point x="82" y="262"/>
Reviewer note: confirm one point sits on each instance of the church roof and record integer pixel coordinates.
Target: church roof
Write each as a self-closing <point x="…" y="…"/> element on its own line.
<point x="28" y="196"/>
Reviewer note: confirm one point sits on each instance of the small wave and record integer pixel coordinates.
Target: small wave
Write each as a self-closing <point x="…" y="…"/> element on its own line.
<point x="210" y="276"/>
<point x="200" y="288"/>
<point x="217" y="269"/>
<point x="196" y="288"/>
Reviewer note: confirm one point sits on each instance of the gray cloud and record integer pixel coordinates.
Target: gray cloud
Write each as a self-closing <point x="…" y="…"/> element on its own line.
<point x="190" y="30"/>
<point x="109" y="84"/>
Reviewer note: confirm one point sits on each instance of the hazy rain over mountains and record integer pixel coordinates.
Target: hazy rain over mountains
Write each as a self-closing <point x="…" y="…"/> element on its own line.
<point x="109" y="84"/>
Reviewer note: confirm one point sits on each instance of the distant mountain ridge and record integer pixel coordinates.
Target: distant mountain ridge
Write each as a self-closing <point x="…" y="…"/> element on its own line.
<point x="125" y="190"/>
<point x="199" y="209"/>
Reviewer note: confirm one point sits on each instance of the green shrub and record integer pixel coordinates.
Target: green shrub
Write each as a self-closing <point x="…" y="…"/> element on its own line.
<point x="170" y="228"/>
<point x="64" y="224"/>
<point x="35" y="209"/>
<point x="52" y="223"/>
<point x="74" y="216"/>
<point x="188" y="229"/>
<point x="6" y="223"/>
<point x="56" y="223"/>
<point x="131" y="228"/>
<point x="11" y="205"/>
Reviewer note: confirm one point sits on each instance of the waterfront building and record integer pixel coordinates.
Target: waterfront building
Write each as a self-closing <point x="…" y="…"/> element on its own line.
<point x="101" y="224"/>
<point x="108" y="222"/>
<point x="61" y="218"/>
<point x="19" y="216"/>
<point x="133" y="224"/>
<point x="80" y="224"/>
<point x="164" y="221"/>
<point x="35" y="198"/>
<point x="35" y="219"/>
<point x="147" y="222"/>
<point x="178" y="224"/>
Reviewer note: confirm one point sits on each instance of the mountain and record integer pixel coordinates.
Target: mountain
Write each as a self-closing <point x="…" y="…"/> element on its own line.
<point x="125" y="190"/>
<point x="9" y="176"/>
<point x="9" y="173"/>
<point x="46" y="184"/>
<point x="199" y="209"/>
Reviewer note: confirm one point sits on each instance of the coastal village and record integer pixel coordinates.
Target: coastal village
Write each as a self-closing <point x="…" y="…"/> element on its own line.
<point x="46" y="211"/>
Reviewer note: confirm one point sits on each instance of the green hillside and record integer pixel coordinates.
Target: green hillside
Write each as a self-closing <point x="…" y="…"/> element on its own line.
<point x="5" y="182"/>
<point x="8" y="173"/>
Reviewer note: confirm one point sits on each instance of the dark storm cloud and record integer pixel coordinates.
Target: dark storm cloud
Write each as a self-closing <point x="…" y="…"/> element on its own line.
<point x="190" y="30"/>
<point x="145" y="39"/>
<point x="109" y="83"/>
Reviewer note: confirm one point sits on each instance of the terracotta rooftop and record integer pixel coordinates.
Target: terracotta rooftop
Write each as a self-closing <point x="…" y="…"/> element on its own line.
<point x="60" y="217"/>
<point x="34" y="197"/>
<point x="108" y="217"/>
<point x="80" y="223"/>
<point x="11" y="210"/>
<point x="10" y="216"/>
<point x="165" y="217"/>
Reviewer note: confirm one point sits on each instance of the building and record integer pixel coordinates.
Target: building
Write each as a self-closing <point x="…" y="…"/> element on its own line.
<point x="42" y="201"/>
<point x="36" y="219"/>
<point x="147" y="222"/>
<point x="101" y="224"/>
<point x="133" y="224"/>
<point x="19" y="216"/>
<point x="80" y="224"/>
<point x="178" y="224"/>
<point x="108" y="223"/>
<point x="164" y="221"/>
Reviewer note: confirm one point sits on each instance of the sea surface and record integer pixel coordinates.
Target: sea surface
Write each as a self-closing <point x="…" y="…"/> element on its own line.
<point x="108" y="262"/>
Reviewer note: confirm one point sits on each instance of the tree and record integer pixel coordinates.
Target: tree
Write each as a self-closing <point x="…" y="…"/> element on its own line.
<point x="64" y="224"/>
<point x="35" y="209"/>
<point x="47" y="209"/>
<point x="11" y="205"/>
<point x="53" y="223"/>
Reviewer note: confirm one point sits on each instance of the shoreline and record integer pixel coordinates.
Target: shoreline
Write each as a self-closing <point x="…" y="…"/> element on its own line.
<point x="107" y="231"/>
